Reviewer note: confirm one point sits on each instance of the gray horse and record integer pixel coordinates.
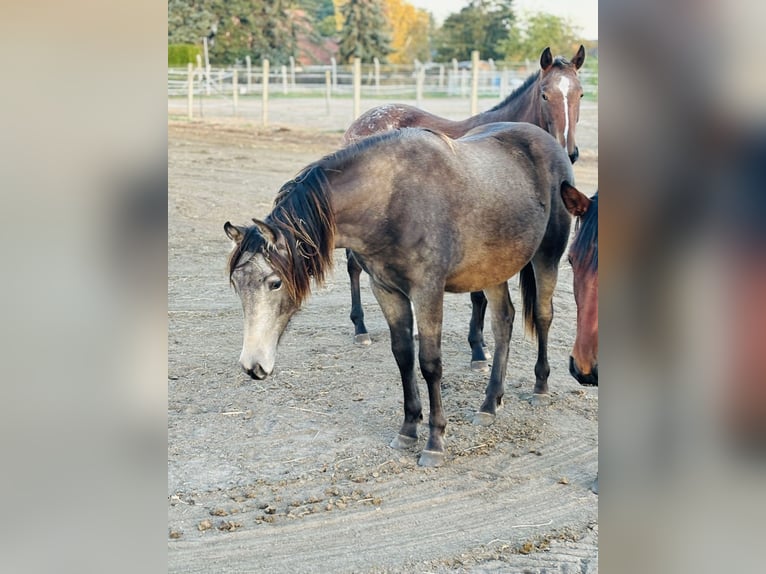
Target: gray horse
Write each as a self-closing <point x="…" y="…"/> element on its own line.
<point x="425" y="214"/>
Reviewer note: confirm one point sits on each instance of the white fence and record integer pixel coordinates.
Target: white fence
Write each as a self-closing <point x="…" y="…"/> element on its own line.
<point x="224" y="89"/>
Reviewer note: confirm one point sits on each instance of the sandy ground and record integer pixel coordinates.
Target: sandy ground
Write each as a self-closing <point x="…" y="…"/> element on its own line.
<point x="294" y="473"/>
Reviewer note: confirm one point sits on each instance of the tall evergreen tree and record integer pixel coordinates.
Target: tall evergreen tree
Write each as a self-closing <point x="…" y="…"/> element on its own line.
<point x="190" y="20"/>
<point x="365" y="32"/>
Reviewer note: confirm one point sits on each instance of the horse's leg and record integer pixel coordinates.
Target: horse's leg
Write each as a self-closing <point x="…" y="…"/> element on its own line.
<point x="429" y="307"/>
<point x="479" y="360"/>
<point x="398" y="313"/>
<point x="546" y="275"/>
<point x="361" y="337"/>
<point x="502" y="325"/>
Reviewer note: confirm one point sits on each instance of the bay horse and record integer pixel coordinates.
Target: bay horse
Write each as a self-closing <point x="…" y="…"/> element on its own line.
<point x="548" y="98"/>
<point x="583" y="256"/>
<point x="425" y="214"/>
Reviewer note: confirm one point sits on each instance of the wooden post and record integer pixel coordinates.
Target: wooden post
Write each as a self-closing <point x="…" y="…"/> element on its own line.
<point x="292" y="73"/>
<point x="357" y="87"/>
<point x="334" y="66"/>
<point x="503" y="83"/>
<point x="249" y="74"/>
<point x="419" y="73"/>
<point x="234" y="89"/>
<point x="441" y="75"/>
<point x="265" y="111"/>
<point x="474" y="82"/>
<point x="328" y="88"/>
<point x="207" y="66"/>
<point x="376" y="65"/>
<point x="284" y="80"/>
<point x="190" y="92"/>
<point x="220" y="81"/>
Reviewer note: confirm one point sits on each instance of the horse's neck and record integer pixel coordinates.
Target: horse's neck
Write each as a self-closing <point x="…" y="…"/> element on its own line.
<point x="524" y="107"/>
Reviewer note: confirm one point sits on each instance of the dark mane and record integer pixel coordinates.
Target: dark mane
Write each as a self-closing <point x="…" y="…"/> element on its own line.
<point x="558" y="62"/>
<point x="303" y="216"/>
<point x="584" y="249"/>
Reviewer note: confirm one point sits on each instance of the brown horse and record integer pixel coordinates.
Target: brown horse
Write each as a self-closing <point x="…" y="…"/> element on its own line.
<point x="583" y="256"/>
<point x="424" y="214"/>
<point x="549" y="98"/>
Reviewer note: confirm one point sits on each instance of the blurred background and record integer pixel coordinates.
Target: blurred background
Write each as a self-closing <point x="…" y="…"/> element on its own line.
<point x="683" y="348"/>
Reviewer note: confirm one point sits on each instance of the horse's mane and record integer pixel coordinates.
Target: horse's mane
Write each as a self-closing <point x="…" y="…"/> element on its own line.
<point x="305" y="224"/>
<point x="558" y="62"/>
<point x="584" y="249"/>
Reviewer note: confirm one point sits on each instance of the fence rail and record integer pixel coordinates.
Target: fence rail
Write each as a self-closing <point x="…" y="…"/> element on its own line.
<point x="226" y="86"/>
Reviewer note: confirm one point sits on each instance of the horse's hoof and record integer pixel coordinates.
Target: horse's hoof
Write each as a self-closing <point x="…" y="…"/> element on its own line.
<point x="402" y="442"/>
<point x="483" y="419"/>
<point x="431" y="458"/>
<point x="540" y="400"/>
<point x="362" y="339"/>
<point x="480" y="366"/>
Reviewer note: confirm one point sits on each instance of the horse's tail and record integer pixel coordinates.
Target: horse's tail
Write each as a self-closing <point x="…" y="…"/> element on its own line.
<point x="528" y="287"/>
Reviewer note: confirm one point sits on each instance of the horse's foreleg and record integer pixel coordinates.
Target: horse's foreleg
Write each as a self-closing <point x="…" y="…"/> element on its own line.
<point x="429" y="311"/>
<point x="502" y="325"/>
<point x="398" y="313"/>
<point x="361" y="336"/>
<point x="546" y="275"/>
<point x="479" y="360"/>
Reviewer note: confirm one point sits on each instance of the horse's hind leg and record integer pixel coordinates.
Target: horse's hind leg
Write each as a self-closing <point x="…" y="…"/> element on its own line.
<point x="398" y="313"/>
<point x="546" y="275"/>
<point x="502" y="325"/>
<point x="361" y="336"/>
<point x="479" y="360"/>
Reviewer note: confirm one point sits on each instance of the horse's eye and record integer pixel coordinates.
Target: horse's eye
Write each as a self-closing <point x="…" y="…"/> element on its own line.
<point x="545" y="97"/>
<point x="569" y="258"/>
<point x="275" y="285"/>
<point x="582" y="94"/>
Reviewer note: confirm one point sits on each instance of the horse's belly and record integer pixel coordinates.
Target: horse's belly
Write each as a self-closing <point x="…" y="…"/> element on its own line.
<point x="475" y="276"/>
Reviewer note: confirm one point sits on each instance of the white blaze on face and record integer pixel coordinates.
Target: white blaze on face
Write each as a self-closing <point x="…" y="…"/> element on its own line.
<point x="564" y="87"/>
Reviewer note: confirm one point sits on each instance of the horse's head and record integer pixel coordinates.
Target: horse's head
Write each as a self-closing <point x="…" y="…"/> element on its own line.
<point x="583" y="256"/>
<point x="561" y="91"/>
<point x="267" y="304"/>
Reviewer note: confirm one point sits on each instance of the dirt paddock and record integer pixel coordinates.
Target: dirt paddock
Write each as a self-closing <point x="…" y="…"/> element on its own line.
<point x="294" y="473"/>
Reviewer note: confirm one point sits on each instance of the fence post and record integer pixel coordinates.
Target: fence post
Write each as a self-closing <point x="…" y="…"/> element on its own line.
<point x="334" y="65"/>
<point x="376" y="64"/>
<point x="292" y="73"/>
<point x="474" y="82"/>
<point x="441" y="75"/>
<point x="234" y="89"/>
<point x="284" y="80"/>
<point x="249" y="75"/>
<point x="328" y="88"/>
<point x="357" y="87"/>
<point x="220" y="81"/>
<point x="207" y="66"/>
<point x="265" y="111"/>
<point x="418" y="84"/>
<point x="190" y="92"/>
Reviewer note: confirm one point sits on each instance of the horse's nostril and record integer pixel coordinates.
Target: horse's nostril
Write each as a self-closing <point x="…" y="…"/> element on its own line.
<point x="574" y="155"/>
<point x="256" y="372"/>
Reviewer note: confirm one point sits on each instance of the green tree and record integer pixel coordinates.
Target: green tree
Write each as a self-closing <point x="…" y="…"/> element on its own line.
<point x="482" y="25"/>
<point x="365" y="33"/>
<point x="189" y="21"/>
<point x="537" y="32"/>
<point x="258" y="28"/>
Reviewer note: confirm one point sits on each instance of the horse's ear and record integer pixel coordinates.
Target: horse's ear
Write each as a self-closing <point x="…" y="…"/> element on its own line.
<point x="579" y="58"/>
<point x="233" y="232"/>
<point x="546" y="59"/>
<point x="269" y="234"/>
<point x="576" y="202"/>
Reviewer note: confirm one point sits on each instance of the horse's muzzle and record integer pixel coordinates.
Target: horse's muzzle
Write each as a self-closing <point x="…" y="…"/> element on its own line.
<point x="257" y="372"/>
<point x="589" y="380"/>
<point x="574" y="155"/>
